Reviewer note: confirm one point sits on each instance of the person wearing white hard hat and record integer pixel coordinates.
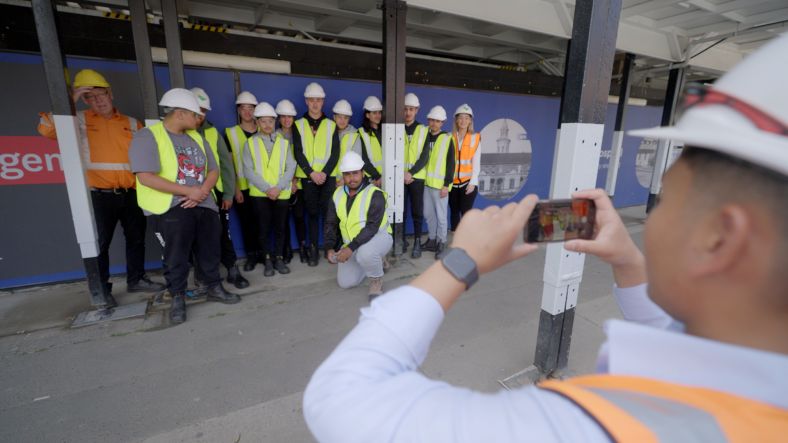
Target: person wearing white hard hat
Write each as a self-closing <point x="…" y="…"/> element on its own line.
<point x="269" y="167"/>
<point x="176" y="172"/>
<point x="104" y="135"/>
<point x="439" y="176"/>
<point x="358" y="212"/>
<point x="223" y="192"/>
<point x="236" y="137"/>
<point x="416" y="158"/>
<point x="368" y="141"/>
<point x="316" y="150"/>
<point x="468" y="164"/>
<point x="704" y="337"/>
<point x="347" y="132"/>
<point x="286" y="111"/>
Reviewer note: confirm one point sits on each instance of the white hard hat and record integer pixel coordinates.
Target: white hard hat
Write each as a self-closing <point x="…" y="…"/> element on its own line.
<point x="343" y="107"/>
<point x="286" y="107"/>
<point x="313" y="90"/>
<point x="264" y="110"/>
<point x="748" y="118"/>
<point x="202" y="98"/>
<point x="437" y="113"/>
<point x="246" y="98"/>
<point x="351" y="162"/>
<point x="412" y="100"/>
<point x="463" y="109"/>
<point x="180" y="98"/>
<point x="372" y="104"/>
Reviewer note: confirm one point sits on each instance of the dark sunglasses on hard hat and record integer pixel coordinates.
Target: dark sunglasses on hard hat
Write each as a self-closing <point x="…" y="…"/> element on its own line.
<point x="697" y="94"/>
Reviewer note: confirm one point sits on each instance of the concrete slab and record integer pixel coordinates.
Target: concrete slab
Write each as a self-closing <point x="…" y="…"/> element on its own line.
<point x="237" y="372"/>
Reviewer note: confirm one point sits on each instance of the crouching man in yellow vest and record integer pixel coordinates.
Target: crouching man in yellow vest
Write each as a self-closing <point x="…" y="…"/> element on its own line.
<point x="704" y="353"/>
<point x="176" y="172"/>
<point x="359" y="210"/>
<point x="269" y="166"/>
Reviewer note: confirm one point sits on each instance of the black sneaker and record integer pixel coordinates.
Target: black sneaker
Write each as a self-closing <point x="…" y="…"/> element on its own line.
<point x="416" y="252"/>
<point x="280" y="266"/>
<point x="178" y="309"/>
<point x="145" y="284"/>
<point x="218" y="293"/>
<point x="314" y="256"/>
<point x="235" y="278"/>
<point x="269" y="268"/>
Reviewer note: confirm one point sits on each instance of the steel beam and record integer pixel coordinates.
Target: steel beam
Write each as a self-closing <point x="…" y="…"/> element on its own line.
<point x="583" y="109"/>
<point x="172" y="36"/>
<point x="142" y="48"/>
<point x="618" y="129"/>
<point x="665" y="147"/>
<point x="66" y="126"/>
<point x="394" y="37"/>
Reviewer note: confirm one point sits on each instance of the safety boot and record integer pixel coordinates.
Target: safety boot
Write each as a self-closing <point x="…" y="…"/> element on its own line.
<point x="235" y="278"/>
<point x="314" y="256"/>
<point x="429" y="245"/>
<point x="251" y="262"/>
<point x="416" y="252"/>
<point x="269" y="267"/>
<point x="218" y="293"/>
<point x="178" y="308"/>
<point x="375" y="287"/>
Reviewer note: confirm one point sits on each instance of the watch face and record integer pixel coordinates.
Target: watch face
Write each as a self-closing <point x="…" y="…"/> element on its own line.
<point x="460" y="263"/>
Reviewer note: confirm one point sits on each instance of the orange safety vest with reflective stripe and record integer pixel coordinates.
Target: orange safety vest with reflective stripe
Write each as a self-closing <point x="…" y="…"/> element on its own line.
<point x="463" y="156"/>
<point x="103" y="146"/>
<point x="641" y="410"/>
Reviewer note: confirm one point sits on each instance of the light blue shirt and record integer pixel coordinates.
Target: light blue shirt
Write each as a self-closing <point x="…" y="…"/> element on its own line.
<point x="369" y="389"/>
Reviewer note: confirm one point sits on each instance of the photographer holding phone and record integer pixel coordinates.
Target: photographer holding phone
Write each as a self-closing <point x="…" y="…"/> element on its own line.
<point x="704" y="353"/>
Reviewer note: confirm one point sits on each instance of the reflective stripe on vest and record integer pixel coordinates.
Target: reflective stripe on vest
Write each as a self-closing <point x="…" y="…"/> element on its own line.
<point x="463" y="156"/>
<point x="415" y="146"/>
<point x="212" y="135"/>
<point x="237" y="139"/>
<point x="351" y="224"/>
<point x="84" y="147"/>
<point x="346" y="144"/>
<point x="644" y="410"/>
<point x="149" y="199"/>
<point x="373" y="149"/>
<point x="436" y="166"/>
<point x="270" y="168"/>
<point x="316" y="146"/>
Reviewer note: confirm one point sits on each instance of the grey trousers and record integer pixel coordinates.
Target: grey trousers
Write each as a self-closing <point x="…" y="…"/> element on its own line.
<point x="435" y="209"/>
<point x="366" y="261"/>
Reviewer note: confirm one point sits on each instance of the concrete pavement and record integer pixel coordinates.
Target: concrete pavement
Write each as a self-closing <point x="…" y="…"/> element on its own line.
<point x="236" y="373"/>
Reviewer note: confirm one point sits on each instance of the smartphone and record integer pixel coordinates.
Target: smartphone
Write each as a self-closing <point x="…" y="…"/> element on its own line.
<point x="561" y="220"/>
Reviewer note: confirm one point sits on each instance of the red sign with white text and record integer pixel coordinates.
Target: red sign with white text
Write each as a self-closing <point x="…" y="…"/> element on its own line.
<point x="29" y="160"/>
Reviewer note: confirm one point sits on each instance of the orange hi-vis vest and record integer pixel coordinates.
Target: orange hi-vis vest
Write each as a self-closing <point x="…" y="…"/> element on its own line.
<point x="642" y="410"/>
<point x="463" y="156"/>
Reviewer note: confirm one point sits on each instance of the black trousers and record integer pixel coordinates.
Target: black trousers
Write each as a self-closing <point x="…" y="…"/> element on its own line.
<point x="460" y="203"/>
<point x="185" y="231"/>
<point x="297" y="211"/>
<point x="228" y="256"/>
<point x="249" y="227"/>
<point x="316" y="198"/>
<point x="414" y="199"/>
<point x="271" y="216"/>
<point x="110" y="208"/>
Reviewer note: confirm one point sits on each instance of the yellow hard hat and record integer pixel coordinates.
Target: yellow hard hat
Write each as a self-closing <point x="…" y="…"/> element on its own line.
<point x="89" y="77"/>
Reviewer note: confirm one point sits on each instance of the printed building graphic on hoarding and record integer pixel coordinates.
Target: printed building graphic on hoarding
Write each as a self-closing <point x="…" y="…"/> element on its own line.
<point x="645" y="161"/>
<point x="506" y="159"/>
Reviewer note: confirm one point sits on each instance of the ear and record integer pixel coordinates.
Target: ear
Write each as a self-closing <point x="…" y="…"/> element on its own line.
<point x="721" y="241"/>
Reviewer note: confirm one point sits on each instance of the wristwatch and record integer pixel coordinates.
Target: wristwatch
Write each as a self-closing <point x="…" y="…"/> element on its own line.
<point x="461" y="266"/>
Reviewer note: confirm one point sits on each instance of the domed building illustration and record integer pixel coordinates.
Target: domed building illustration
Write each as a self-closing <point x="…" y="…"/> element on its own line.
<point x="505" y="160"/>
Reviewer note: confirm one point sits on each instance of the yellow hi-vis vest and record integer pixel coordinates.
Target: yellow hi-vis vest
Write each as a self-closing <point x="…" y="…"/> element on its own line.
<point x="372" y="146"/>
<point x="149" y="199"/>
<point x="270" y="168"/>
<point x="237" y="139"/>
<point x="351" y="223"/>
<point x="415" y="144"/>
<point x="212" y="135"/>
<point x="346" y="144"/>
<point x="641" y="410"/>
<point x="317" y="146"/>
<point x="436" y="166"/>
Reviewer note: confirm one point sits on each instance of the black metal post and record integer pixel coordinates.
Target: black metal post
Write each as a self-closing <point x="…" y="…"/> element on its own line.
<point x="618" y="129"/>
<point x="139" y="29"/>
<point x="672" y="95"/>
<point x="172" y="35"/>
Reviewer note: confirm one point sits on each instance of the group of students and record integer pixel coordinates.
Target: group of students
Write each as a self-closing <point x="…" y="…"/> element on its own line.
<point x="272" y="165"/>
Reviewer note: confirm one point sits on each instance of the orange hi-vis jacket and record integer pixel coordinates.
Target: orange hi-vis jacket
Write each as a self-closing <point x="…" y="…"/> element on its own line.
<point x="642" y="410"/>
<point x="104" y="146"/>
<point x="463" y="156"/>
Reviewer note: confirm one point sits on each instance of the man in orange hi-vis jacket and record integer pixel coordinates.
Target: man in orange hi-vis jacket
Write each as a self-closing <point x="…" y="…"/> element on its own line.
<point x="703" y="354"/>
<point x="105" y="135"/>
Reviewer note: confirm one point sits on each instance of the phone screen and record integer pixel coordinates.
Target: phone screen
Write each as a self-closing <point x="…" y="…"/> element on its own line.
<point x="561" y="220"/>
